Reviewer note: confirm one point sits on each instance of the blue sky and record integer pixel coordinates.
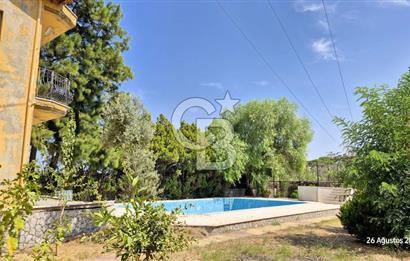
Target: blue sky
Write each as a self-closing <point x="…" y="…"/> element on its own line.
<point x="182" y="49"/>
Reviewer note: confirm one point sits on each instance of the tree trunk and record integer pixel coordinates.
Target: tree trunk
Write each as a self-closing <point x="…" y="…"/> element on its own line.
<point x="249" y="190"/>
<point x="54" y="160"/>
<point x="33" y="153"/>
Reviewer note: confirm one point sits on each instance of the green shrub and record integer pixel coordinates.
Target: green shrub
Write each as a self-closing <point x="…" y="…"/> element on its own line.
<point x="380" y="171"/>
<point x="294" y="194"/>
<point x="381" y="208"/>
<point x="356" y="216"/>
<point x="16" y="204"/>
<point x="143" y="232"/>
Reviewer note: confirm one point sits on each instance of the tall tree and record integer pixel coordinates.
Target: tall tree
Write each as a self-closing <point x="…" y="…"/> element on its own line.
<point x="165" y="146"/>
<point x="168" y="152"/>
<point x="226" y="151"/>
<point x="276" y="140"/>
<point x="90" y="55"/>
<point x="128" y="131"/>
<point x="177" y="164"/>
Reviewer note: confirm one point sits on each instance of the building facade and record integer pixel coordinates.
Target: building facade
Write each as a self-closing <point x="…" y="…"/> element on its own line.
<point x="26" y="25"/>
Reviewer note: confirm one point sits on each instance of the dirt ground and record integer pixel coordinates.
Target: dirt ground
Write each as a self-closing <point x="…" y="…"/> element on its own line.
<point x="71" y="251"/>
<point x="323" y="240"/>
<point x="320" y="239"/>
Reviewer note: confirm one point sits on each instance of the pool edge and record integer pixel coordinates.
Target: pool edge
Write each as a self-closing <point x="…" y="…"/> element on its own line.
<point x="219" y="229"/>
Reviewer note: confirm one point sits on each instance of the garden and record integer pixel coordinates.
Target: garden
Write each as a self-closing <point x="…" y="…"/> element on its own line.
<point x="109" y="149"/>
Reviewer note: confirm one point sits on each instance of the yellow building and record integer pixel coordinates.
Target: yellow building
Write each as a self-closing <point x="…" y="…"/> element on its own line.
<point x="25" y="25"/>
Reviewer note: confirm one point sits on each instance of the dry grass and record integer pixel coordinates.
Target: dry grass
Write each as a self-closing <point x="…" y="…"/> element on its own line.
<point x="71" y="251"/>
<point x="321" y="241"/>
<point x="314" y="242"/>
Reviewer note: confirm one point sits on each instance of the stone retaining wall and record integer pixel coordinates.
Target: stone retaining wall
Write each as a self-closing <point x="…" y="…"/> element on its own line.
<point x="43" y="217"/>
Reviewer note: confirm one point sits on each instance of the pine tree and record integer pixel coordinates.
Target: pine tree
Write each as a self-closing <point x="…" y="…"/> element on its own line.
<point x="90" y="55"/>
<point x="165" y="146"/>
<point x="168" y="152"/>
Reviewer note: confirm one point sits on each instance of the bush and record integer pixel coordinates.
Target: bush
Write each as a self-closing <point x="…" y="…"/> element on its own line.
<point x="356" y="216"/>
<point x="143" y="232"/>
<point x="380" y="171"/>
<point x="16" y="204"/>
<point x="381" y="208"/>
<point x="294" y="194"/>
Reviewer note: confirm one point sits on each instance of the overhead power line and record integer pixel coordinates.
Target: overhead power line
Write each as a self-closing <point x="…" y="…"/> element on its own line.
<point x="283" y="28"/>
<point x="337" y="60"/>
<point x="273" y="70"/>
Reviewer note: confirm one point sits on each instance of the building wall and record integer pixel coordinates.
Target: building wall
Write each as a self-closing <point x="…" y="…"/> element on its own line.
<point x="19" y="55"/>
<point x="330" y="195"/>
<point x="307" y="193"/>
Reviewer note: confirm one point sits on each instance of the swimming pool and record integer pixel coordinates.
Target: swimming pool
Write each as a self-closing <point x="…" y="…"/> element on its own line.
<point x="213" y="205"/>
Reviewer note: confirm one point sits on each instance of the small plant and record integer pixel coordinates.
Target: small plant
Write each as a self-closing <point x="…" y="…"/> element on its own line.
<point x="275" y="223"/>
<point x="43" y="252"/>
<point x="55" y="236"/>
<point x="143" y="231"/>
<point x="64" y="178"/>
<point x="294" y="194"/>
<point x="17" y="200"/>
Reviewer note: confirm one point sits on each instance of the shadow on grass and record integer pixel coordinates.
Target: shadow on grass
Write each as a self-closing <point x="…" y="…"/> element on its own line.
<point x="335" y="230"/>
<point x="246" y="257"/>
<point x="311" y="240"/>
<point x="337" y="240"/>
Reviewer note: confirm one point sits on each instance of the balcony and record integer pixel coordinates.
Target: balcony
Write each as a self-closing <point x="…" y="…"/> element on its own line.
<point x="53" y="96"/>
<point x="57" y="19"/>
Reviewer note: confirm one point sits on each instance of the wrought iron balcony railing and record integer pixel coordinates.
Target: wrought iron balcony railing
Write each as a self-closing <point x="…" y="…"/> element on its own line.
<point x="53" y="86"/>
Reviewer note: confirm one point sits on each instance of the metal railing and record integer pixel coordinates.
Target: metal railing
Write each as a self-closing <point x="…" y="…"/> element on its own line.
<point x="53" y="86"/>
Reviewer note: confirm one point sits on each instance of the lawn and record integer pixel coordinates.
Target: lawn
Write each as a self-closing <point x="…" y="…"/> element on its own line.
<point x="325" y="240"/>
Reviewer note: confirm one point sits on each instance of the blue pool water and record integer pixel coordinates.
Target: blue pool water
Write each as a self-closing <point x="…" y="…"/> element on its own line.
<point x="212" y="205"/>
